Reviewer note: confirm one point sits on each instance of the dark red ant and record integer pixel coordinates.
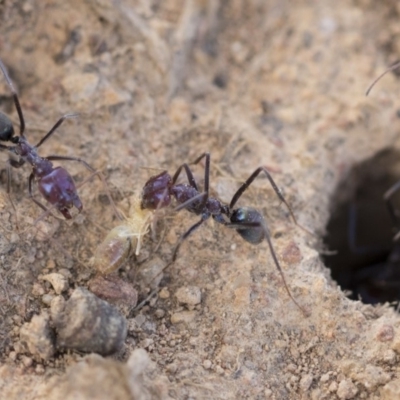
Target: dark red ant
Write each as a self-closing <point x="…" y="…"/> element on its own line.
<point x="55" y="184"/>
<point x="248" y="222"/>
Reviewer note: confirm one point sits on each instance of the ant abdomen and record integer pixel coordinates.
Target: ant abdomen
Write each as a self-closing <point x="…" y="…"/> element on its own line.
<point x="254" y="234"/>
<point x="58" y="188"/>
<point x="155" y="193"/>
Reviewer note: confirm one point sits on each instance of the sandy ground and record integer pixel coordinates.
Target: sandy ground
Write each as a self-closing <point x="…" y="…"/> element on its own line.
<point x="274" y="83"/>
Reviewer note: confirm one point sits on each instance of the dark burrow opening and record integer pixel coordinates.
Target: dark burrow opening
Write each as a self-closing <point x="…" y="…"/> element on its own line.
<point x="359" y="243"/>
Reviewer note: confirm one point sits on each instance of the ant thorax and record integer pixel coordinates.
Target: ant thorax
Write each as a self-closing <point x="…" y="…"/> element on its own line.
<point x="121" y="240"/>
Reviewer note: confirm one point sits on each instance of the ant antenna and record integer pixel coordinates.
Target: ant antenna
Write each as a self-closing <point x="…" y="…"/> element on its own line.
<point x="392" y="68"/>
<point x="16" y="100"/>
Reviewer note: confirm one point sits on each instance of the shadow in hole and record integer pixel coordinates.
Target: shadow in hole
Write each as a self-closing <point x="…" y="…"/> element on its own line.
<point x="360" y="230"/>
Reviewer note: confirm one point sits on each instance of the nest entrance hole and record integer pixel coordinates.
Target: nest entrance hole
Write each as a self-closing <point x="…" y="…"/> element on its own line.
<point x="361" y="253"/>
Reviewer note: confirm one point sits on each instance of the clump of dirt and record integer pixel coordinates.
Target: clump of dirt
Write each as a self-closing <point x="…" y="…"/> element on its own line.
<point x="272" y="84"/>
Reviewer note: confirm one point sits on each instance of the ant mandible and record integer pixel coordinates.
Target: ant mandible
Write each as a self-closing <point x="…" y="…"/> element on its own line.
<point x="248" y="222"/>
<point x="55" y="184"/>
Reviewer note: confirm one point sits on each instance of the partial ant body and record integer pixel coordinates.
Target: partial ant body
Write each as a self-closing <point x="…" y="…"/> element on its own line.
<point x="158" y="193"/>
<point x="248" y="222"/>
<point x="55" y="183"/>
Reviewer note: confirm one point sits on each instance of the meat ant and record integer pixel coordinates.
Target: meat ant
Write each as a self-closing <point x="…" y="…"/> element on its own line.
<point x="54" y="183"/>
<point x="248" y="222"/>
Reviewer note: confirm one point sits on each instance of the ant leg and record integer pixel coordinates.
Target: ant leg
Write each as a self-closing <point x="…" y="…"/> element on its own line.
<point x="206" y="169"/>
<point x="15" y="164"/>
<point x="56" y="126"/>
<point x="94" y="172"/>
<point x="184" y="237"/>
<point x="16" y="100"/>
<point x="282" y="275"/>
<point x="180" y="241"/>
<point x="9" y="190"/>
<point x="206" y="176"/>
<point x="278" y="192"/>
<point x="392" y="68"/>
<point x="273" y="253"/>
<point x="187" y="203"/>
<point x="189" y="174"/>
<point x="192" y="182"/>
<point x="190" y="177"/>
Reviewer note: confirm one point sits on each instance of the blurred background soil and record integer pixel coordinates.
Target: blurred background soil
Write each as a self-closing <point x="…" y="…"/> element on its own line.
<point x="274" y="83"/>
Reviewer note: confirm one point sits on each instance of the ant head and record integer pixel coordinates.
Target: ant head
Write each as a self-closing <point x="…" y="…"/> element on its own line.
<point x="254" y="227"/>
<point x="6" y="128"/>
<point x="156" y="192"/>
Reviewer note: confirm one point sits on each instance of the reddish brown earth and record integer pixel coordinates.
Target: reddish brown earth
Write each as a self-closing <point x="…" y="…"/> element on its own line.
<point x="278" y="83"/>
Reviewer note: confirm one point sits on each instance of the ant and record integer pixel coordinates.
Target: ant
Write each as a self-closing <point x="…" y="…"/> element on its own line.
<point x="248" y="222"/>
<point x="54" y="183"/>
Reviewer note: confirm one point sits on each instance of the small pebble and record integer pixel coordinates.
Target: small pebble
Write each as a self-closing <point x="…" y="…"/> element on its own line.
<point x="346" y="390"/>
<point x="189" y="295"/>
<point x="184" y="316"/>
<point x="305" y="382"/>
<point x="159" y="313"/>
<point x="146" y="343"/>
<point x="58" y="281"/>
<point x="39" y="369"/>
<point x="47" y="299"/>
<point x="389" y="356"/>
<point x="150" y="272"/>
<point x="115" y="290"/>
<point x="37" y="337"/>
<point x="37" y="289"/>
<point x="291" y="254"/>
<point x="172" y="368"/>
<point x="219" y="370"/>
<point x="89" y="324"/>
<point x="325" y="377"/>
<point x="333" y="387"/>
<point x="385" y="333"/>
<point x="164" y="293"/>
<point x="27" y="361"/>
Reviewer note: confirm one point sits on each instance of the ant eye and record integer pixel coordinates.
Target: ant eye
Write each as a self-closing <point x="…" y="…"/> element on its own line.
<point x="6" y="128"/>
<point x="239" y="215"/>
<point x="246" y="214"/>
